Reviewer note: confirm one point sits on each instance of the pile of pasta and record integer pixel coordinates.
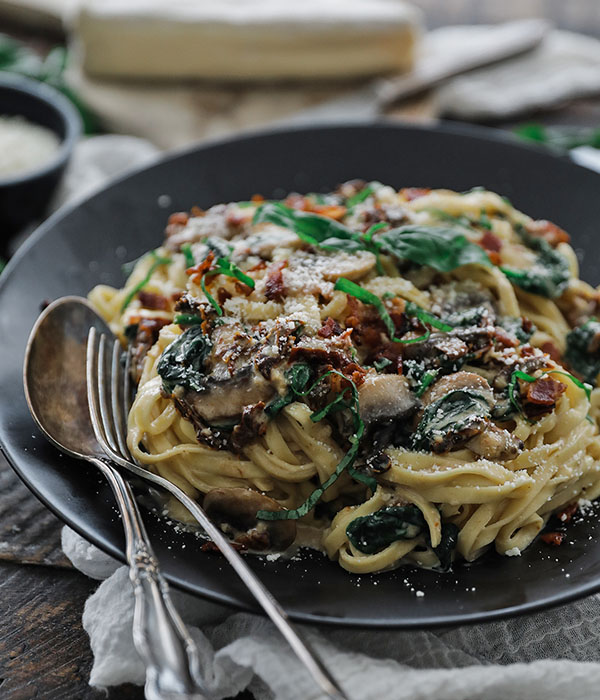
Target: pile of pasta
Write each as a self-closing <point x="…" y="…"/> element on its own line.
<point x="409" y="375"/>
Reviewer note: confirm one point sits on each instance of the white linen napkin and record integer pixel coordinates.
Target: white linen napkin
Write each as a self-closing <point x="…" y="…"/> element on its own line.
<point x="547" y="656"/>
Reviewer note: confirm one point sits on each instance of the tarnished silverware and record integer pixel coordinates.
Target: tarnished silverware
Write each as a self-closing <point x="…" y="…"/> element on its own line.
<point x="55" y="389"/>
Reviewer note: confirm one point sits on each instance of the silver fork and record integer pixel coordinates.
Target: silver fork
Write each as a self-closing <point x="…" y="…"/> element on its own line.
<point x="111" y="390"/>
<point x="160" y="636"/>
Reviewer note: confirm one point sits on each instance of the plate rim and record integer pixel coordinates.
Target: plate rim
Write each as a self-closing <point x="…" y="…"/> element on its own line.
<point x="477" y="132"/>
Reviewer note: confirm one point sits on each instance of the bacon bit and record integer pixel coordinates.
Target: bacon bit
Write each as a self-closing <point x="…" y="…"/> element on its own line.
<point x="222" y="295"/>
<point x="527" y="350"/>
<point x="551" y="349"/>
<point x="490" y="242"/>
<point x="351" y="187"/>
<point x="565" y="515"/>
<point x="199" y="270"/>
<point x="553" y="538"/>
<point x="295" y="201"/>
<point x="274" y="287"/>
<point x="545" y="391"/>
<point x="368" y="326"/>
<point x="329" y="328"/>
<point x="242" y="288"/>
<point x="178" y="218"/>
<point x="550" y="232"/>
<point x="504" y="339"/>
<point x="257" y="198"/>
<point x="176" y="296"/>
<point x="235" y="219"/>
<point x="260" y="265"/>
<point x="149" y="300"/>
<point x="410" y="193"/>
<point x="196" y="211"/>
<point x="331" y="211"/>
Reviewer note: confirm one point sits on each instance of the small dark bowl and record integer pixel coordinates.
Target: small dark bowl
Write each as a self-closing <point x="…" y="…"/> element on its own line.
<point x="25" y="197"/>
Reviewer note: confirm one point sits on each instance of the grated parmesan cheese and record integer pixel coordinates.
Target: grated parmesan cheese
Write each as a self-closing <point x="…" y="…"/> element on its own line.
<point x="24" y="146"/>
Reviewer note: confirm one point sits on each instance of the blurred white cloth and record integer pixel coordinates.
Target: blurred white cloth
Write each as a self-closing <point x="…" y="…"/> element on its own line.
<point x="547" y="656"/>
<point x="564" y="66"/>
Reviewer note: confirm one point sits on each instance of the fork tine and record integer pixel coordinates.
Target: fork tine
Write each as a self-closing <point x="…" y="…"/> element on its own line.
<point x="103" y="384"/>
<point x="92" y="386"/>
<point x="118" y="401"/>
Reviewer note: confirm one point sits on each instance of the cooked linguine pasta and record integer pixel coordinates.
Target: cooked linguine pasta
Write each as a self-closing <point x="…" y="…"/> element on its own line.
<point x="408" y="375"/>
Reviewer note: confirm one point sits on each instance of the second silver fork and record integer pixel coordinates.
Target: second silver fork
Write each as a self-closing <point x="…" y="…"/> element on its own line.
<point x="110" y="389"/>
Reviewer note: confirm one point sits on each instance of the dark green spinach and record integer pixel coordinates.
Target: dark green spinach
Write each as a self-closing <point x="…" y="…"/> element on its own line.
<point x="550" y="273"/>
<point x="450" y="415"/>
<point x="182" y="362"/>
<point x="442" y="247"/>
<point x="376" y="531"/>
<point x="578" y="354"/>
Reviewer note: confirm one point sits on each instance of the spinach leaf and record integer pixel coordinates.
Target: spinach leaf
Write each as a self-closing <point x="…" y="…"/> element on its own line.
<point x="182" y="362"/>
<point x="442" y="247"/>
<point x="376" y="531"/>
<point x="469" y="317"/>
<point x="514" y="326"/>
<point x="158" y="261"/>
<point x="549" y="275"/>
<point x="446" y="547"/>
<point x="578" y="354"/>
<point x="297" y="377"/>
<point x="448" y="416"/>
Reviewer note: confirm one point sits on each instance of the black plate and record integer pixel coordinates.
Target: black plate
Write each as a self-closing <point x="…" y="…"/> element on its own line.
<point x="79" y="248"/>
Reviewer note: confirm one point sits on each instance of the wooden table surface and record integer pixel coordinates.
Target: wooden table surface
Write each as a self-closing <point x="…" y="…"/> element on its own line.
<point x="44" y="652"/>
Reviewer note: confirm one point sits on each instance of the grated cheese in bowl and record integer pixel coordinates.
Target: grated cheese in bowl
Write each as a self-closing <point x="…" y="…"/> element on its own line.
<point x="24" y="146"/>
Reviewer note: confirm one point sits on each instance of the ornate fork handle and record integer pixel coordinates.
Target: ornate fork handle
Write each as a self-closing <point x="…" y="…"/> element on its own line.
<point x="160" y="637"/>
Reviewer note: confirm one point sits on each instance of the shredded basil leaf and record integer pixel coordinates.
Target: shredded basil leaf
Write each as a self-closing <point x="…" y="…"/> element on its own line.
<point x="360" y="197"/>
<point x="427" y="380"/>
<point x="186" y="249"/>
<point x="412" y="309"/>
<point x="346" y="462"/>
<point x="158" y="261"/>
<point x="382" y="363"/>
<point x="187" y="319"/>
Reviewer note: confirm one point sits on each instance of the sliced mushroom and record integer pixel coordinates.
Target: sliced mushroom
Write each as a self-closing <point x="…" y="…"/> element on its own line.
<point x="234" y="511"/>
<point x="495" y="443"/>
<point x="466" y="381"/>
<point x="351" y="266"/>
<point x="386" y="396"/>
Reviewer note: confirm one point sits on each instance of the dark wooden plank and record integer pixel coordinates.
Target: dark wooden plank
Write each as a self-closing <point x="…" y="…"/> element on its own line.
<point x="44" y="651"/>
<point x="29" y="532"/>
